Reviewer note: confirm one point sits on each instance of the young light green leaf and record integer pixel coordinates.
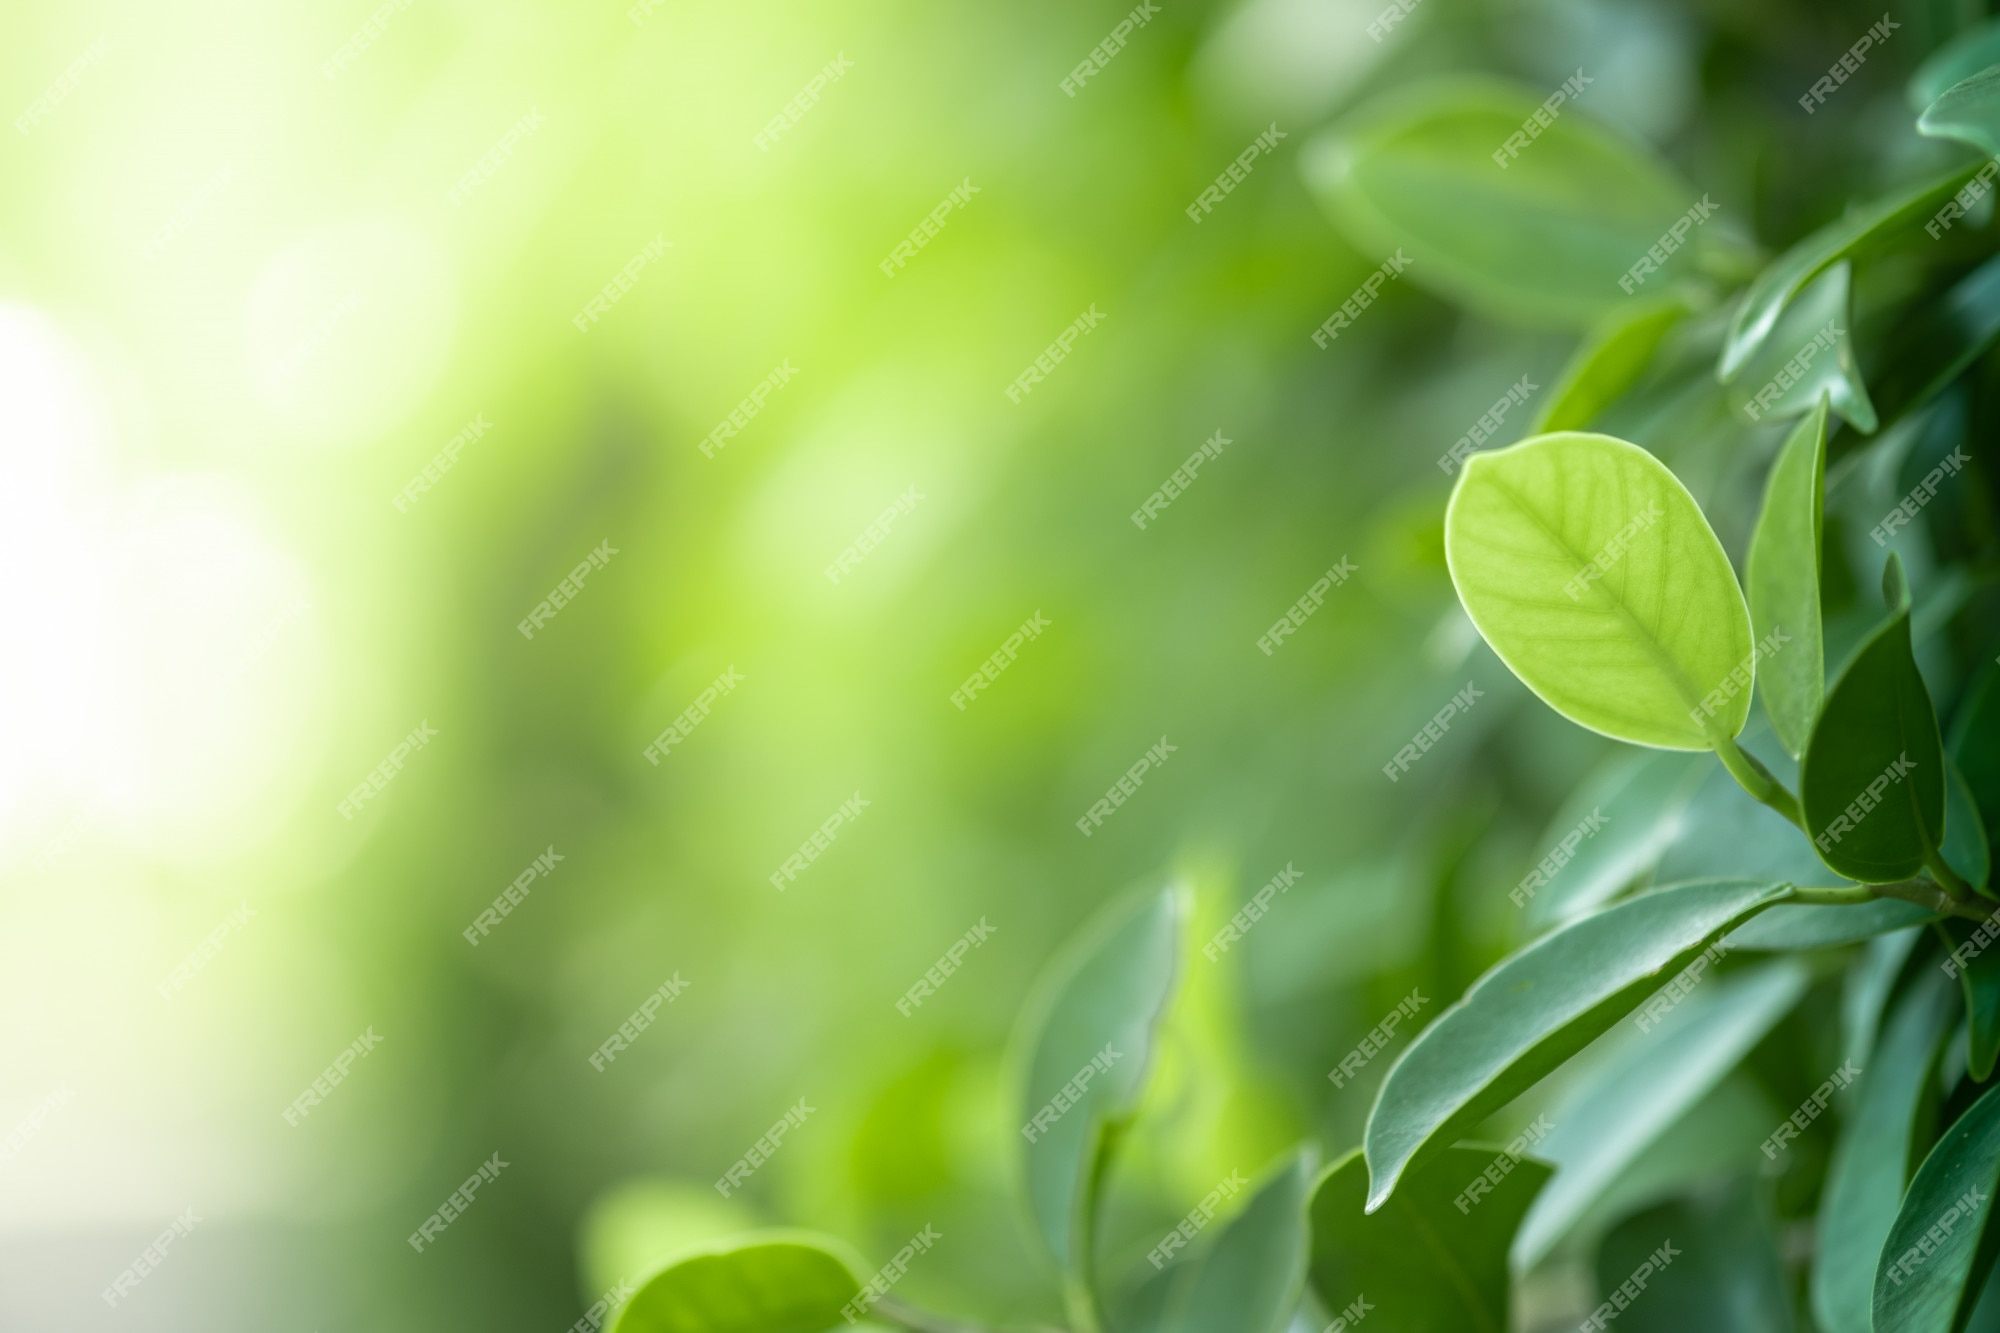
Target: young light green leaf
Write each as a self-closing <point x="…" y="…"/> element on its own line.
<point x="1592" y="573"/>
<point x="1872" y="781"/>
<point x="1537" y="1008"/>
<point x="1637" y="1089"/>
<point x="1715" y="1267"/>
<point x="1610" y="832"/>
<point x="1938" y="1256"/>
<point x="1092" y="1045"/>
<point x="1250" y="1279"/>
<point x="1932" y="346"/>
<point x="1542" y="237"/>
<point x="1870" y="1162"/>
<point x="1807" y="356"/>
<point x="768" y="1282"/>
<point x="1956" y="61"/>
<point x="1965" y="847"/>
<point x="1426" y="1262"/>
<point x="1609" y="362"/>
<point x="1853" y="234"/>
<point x="1783" y="574"/>
<point x="1968" y="111"/>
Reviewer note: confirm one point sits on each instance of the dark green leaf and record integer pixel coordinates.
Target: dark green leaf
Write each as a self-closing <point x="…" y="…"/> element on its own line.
<point x="1865" y="1178"/>
<point x="1536" y="1009"/>
<point x="1934" y="344"/>
<point x="1938" y="1254"/>
<point x="1975" y="745"/>
<point x="1809" y="354"/>
<point x="1968" y="111"/>
<point x="1872" y="782"/>
<point x="1609" y="362"/>
<point x="1421" y="1262"/>
<point x="1783" y="574"/>
<point x="1612" y="830"/>
<point x="1250" y="1279"/>
<point x="1720" y="1274"/>
<point x="1954" y="62"/>
<point x="1978" y="971"/>
<point x="775" y="1282"/>
<point x="1965" y="847"/>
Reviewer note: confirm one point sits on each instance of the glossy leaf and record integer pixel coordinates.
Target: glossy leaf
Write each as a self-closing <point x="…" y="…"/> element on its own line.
<point x="1250" y="1278"/>
<point x="1610" y="361"/>
<point x="1872" y="781"/>
<point x="771" y="1283"/>
<point x="1640" y="1087"/>
<point x="1932" y="346"/>
<point x="1851" y="235"/>
<point x="1544" y="239"/>
<point x="1936" y="1258"/>
<point x="1094" y="1036"/>
<point x="1724" y="1275"/>
<point x="1536" y="1009"/>
<point x="1957" y="60"/>
<point x="1783" y="578"/>
<point x="1794" y="926"/>
<point x="1965" y="846"/>
<point x="1635" y="801"/>
<point x="1420" y="1261"/>
<point x="1591" y="572"/>
<point x="1968" y="111"/>
<point x="1808" y="355"/>
<point x="1870" y="1163"/>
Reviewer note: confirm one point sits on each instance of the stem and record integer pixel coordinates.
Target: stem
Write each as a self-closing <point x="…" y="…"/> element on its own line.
<point x="1926" y="894"/>
<point x="1953" y="884"/>
<point x="1838" y="896"/>
<point x="1754" y="778"/>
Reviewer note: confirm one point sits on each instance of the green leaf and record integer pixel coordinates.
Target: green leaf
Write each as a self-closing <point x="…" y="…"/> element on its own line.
<point x="1933" y="345"/>
<point x="1865" y="1178"/>
<point x="1544" y="240"/>
<point x="1954" y="62"/>
<point x="1636" y="801"/>
<point x="1968" y="111"/>
<point x="1975" y="745"/>
<point x="1636" y="1090"/>
<point x="1592" y="573"/>
<point x="1808" y="354"/>
<point x="1870" y="978"/>
<point x="1420" y="1261"/>
<point x="1783" y="574"/>
<point x="1723" y="1274"/>
<point x="1536" y="1009"/>
<point x="1610" y="361"/>
<point x="771" y="1282"/>
<point x="1250" y="1279"/>
<point x="1978" y="972"/>
<point x="1857" y="232"/>
<point x="1872" y="781"/>
<point x="1938" y="1254"/>
<point x="1791" y="926"/>
<point x="1094" y="1027"/>
<point x="1965" y="847"/>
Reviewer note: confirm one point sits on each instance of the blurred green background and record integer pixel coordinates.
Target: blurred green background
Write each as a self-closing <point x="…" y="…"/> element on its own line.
<point x="241" y="308"/>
